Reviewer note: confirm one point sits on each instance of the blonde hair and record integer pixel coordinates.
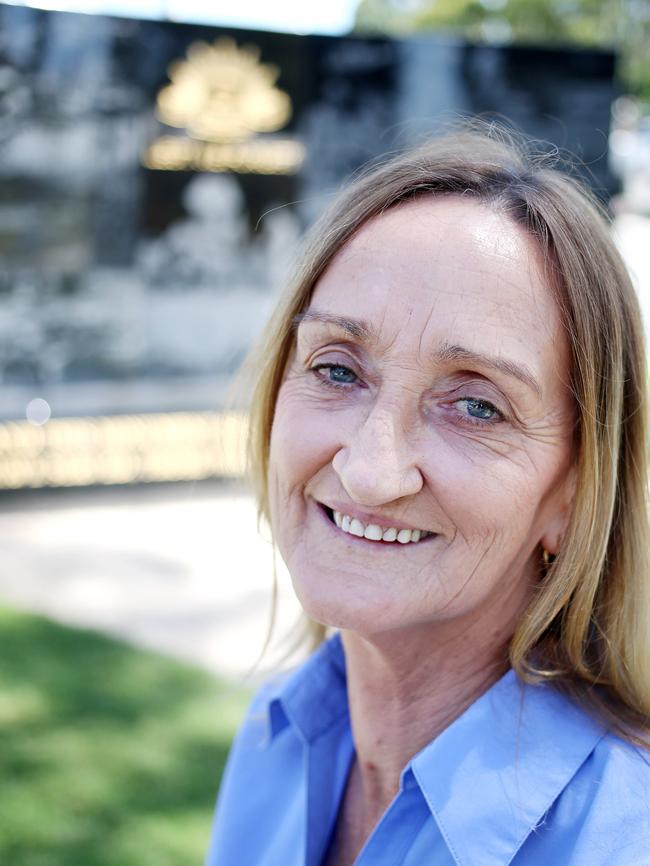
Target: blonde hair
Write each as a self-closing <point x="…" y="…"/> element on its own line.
<point x="588" y="626"/>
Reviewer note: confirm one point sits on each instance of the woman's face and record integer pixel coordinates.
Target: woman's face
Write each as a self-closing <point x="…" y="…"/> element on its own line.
<point x="427" y="391"/>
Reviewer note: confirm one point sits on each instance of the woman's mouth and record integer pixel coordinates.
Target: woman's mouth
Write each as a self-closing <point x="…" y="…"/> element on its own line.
<point x="373" y="532"/>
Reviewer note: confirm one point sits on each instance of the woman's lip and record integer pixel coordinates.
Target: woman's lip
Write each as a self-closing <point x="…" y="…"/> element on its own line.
<point x="366" y="518"/>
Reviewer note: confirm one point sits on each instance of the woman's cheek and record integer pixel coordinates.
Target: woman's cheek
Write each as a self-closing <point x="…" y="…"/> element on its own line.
<point x="477" y="495"/>
<point x="319" y="420"/>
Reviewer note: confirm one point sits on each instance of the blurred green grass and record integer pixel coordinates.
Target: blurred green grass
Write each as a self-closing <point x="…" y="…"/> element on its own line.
<point x="109" y="756"/>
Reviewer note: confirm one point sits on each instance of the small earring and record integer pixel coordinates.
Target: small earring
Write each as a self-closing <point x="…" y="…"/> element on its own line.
<point x="548" y="557"/>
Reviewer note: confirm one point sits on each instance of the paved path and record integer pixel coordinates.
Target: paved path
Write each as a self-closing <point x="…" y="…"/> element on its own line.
<point x="180" y="569"/>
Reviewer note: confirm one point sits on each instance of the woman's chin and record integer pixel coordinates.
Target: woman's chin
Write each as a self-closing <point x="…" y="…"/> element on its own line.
<point x="363" y="616"/>
<point x="330" y="613"/>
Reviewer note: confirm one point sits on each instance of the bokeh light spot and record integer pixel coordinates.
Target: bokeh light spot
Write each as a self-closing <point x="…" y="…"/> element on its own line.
<point x="38" y="412"/>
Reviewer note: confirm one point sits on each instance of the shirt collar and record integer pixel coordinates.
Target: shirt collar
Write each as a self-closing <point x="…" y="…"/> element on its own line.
<point x="491" y="776"/>
<point x="313" y="698"/>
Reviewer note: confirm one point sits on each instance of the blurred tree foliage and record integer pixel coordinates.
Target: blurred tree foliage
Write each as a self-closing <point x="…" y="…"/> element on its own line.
<point x="623" y="25"/>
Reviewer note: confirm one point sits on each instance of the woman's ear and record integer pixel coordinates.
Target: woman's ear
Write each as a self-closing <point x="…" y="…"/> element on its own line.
<point x="558" y="522"/>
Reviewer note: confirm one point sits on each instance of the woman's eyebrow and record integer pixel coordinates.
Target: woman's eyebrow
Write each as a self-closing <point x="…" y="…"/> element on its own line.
<point x="355" y="327"/>
<point x="449" y="352"/>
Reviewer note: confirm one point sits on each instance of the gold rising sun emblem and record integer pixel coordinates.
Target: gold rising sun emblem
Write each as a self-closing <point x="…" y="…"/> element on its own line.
<point x="223" y="93"/>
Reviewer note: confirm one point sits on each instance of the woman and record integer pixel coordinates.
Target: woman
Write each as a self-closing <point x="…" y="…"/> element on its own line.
<point x="449" y="436"/>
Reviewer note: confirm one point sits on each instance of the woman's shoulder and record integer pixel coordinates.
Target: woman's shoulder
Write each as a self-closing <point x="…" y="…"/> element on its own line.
<point x="622" y="768"/>
<point x="603" y="814"/>
<point x="611" y="782"/>
<point x="263" y="781"/>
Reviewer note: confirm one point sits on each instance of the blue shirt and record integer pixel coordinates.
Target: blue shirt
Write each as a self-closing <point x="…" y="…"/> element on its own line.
<point x="523" y="778"/>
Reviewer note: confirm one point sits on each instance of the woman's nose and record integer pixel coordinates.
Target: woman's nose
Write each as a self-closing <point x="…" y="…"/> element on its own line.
<point x="376" y="465"/>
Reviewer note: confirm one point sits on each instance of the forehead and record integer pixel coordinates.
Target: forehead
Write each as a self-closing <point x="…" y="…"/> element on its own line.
<point x="445" y="270"/>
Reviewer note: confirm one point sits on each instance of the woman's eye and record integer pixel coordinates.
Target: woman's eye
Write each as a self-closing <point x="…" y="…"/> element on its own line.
<point x="479" y="410"/>
<point x="335" y="374"/>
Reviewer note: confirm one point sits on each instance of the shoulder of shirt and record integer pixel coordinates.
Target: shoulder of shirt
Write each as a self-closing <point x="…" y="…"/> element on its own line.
<point x="621" y="760"/>
<point x="615" y="782"/>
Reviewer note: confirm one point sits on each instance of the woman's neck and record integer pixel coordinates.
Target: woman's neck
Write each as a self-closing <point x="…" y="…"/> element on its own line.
<point x="404" y="690"/>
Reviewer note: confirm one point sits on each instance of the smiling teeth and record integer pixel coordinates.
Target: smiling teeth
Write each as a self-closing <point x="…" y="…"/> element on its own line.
<point x="373" y="532"/>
